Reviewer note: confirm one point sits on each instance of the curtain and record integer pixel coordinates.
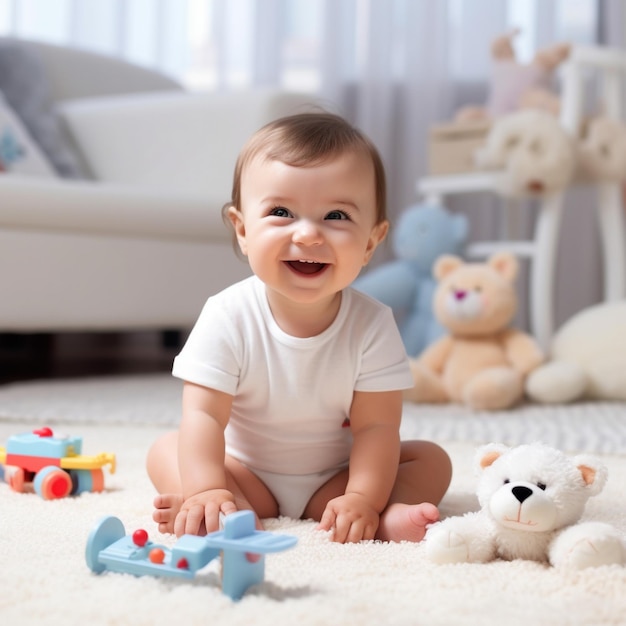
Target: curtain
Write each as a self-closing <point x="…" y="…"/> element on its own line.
<point x="393" y="67"/>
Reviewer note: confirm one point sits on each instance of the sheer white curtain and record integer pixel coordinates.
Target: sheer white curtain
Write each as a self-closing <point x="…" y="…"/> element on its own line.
<point x="393" y="67"/>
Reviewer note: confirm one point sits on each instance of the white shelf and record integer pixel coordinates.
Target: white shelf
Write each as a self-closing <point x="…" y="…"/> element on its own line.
<point x="483" y="249"/>
<point x="459" y="183"/>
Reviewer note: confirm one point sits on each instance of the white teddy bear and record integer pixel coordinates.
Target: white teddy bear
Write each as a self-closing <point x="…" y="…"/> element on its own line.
<point x="535" y="153"/>
<point x="532" y="497"/>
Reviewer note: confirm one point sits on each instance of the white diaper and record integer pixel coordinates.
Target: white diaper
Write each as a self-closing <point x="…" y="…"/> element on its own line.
<point x="293" y="491"/>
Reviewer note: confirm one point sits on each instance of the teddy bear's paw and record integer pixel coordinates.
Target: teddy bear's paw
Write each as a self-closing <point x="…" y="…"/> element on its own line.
<point x="590" y="544"/>
<point x="446" y="546"/>
<point x="493" y="389"/>
<point x="427" y="387"/>
<point x="594" y="553"/>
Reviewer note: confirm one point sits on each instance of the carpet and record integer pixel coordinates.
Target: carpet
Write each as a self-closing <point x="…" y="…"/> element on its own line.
<point x="44" y="578"/>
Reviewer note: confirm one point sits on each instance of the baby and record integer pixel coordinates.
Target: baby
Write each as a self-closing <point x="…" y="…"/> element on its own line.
<point x="292" y="394"/>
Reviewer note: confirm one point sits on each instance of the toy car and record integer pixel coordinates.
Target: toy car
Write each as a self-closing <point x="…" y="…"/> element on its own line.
<point x="243" y="548"/>
<point x="53" y="463"/>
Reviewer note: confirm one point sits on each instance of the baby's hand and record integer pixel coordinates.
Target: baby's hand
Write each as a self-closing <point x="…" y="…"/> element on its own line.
<point x="352" y="518"/>
<point x="200" y="513"/>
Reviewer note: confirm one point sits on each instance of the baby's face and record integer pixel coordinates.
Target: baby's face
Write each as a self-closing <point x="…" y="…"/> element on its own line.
<point x="308" y="231"/>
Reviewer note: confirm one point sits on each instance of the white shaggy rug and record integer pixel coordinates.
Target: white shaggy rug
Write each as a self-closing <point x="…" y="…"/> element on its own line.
<point x="44" y="578"/>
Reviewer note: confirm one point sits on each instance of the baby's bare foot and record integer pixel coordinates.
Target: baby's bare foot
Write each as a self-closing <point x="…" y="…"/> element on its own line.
<point x="406" y="522"/>
<point x="166" y="508"/>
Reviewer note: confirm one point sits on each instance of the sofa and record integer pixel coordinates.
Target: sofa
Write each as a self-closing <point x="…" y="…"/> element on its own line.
<point x="110" y="209"/>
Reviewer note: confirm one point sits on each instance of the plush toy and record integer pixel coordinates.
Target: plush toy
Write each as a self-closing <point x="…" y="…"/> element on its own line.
<point x="532" y="498"/>
<point x="534" y="152"/>
<point x="481" y="361"/>
<point x="587" y="358"/>
<point x="602" y="151"/>
<point x="515" y="85"/>
<point x="422" y="234"/>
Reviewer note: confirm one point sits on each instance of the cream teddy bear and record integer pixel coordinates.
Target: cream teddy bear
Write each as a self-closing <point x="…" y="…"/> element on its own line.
<point x="481" y="361"/>
<point x="532" y="498"/>
<point x="535" y="154"/>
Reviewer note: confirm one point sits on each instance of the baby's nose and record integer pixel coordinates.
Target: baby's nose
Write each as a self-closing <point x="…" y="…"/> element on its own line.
<point x="307" y="233"/>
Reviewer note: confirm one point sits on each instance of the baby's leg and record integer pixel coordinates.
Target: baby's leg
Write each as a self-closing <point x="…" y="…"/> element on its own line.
<point x="162" y="464"/>
<point x="423" y="477"/>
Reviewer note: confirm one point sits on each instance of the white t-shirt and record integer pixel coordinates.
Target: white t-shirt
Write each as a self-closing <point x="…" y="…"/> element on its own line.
<point x="292" y="395"/>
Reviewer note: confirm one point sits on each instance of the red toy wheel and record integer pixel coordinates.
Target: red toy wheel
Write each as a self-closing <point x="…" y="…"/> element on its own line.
<point x="52" y="483"/>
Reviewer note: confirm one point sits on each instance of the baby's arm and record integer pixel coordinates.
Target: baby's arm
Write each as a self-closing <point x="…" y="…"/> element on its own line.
<point x="375" y="423"/>
<point x="201" y="450"/>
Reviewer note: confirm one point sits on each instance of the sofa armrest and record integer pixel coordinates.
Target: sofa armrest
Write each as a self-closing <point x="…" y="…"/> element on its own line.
<point x="177" y="142"/>
<point x="108" y="209"/>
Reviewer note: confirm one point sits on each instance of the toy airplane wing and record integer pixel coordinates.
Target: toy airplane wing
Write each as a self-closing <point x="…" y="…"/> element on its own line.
<point x="240" y="535"/>
<point x="259" y="542"/>
<point x="89" y="462"/>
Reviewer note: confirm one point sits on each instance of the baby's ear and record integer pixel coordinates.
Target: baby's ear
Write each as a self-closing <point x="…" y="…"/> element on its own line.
<point x="377" y="236"/>
<point x="236" y="219"/>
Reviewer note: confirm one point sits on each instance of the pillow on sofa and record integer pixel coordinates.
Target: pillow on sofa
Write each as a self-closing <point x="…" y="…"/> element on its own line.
<point x="182" y="142"/>
<point x="18" y="152"/>
<point x="25" y="87"/>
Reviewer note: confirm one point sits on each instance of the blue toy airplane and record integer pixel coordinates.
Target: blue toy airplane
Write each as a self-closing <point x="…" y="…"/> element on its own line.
<point x="109" y="548"/>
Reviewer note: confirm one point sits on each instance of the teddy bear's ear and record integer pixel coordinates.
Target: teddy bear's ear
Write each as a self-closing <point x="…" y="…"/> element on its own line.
<point x="446" y="264"/>
<point x="505" y="264"/>
<point x="487" y="454"/>
<point x="593" y="473"/>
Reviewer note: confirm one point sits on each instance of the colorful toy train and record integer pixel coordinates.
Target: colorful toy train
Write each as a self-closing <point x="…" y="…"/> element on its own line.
<point x="52" y="463"/>
<point x="243" y="548"/>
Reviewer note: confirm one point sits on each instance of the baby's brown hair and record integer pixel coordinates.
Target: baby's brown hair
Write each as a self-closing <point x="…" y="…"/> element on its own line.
<point x="309" y="139"/>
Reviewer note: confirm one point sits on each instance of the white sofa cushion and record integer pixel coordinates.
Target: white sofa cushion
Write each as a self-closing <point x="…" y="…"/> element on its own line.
<point x="97" y="209"/>
<point x="18" y="152"/>
<point x="173" y="141"/>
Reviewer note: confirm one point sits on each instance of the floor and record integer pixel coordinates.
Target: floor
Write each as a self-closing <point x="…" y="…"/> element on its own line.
<point x="71" y="355"/>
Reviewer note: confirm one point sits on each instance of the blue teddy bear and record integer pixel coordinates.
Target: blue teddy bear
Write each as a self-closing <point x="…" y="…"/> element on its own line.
<point x="423" y="233"/>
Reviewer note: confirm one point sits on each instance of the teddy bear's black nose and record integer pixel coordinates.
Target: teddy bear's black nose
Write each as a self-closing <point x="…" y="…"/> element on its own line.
<point x="521" y="493"/>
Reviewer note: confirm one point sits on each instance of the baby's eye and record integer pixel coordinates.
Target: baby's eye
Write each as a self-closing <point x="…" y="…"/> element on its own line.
<point x="280" y="211"/>
<point x="542" y="486"/>
<point x="337" y="215"/>
<point x="506" y="481"/>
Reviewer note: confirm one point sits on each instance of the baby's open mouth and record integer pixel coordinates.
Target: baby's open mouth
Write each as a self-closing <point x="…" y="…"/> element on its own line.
<point x="306" y="267"/>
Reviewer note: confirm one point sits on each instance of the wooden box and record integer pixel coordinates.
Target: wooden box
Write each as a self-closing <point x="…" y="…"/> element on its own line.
<point x="451" y="146"/>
